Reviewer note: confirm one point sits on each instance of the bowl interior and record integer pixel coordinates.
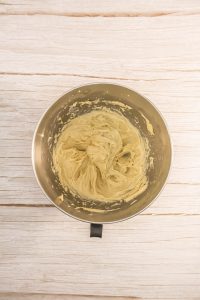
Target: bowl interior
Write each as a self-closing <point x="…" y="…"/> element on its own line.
<point x="83" y="100"/>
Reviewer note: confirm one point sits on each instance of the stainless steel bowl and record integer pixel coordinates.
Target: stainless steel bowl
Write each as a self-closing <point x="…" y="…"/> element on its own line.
<point x="61" y="111"/>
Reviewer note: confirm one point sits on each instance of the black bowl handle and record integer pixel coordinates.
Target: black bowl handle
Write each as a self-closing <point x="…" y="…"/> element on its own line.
<point x="96" y="230"/>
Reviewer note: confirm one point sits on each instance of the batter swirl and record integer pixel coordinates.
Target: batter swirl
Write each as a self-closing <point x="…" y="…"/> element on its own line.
<point x="101" y="156"/>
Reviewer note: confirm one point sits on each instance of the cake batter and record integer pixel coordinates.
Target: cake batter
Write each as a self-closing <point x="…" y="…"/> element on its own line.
<point x="101" y="156"/>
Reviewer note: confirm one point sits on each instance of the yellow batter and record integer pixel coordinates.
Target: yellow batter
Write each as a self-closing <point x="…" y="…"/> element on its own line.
<point x="102" y="156"/>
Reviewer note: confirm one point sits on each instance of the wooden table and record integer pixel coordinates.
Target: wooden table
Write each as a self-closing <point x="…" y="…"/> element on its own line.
<point x="48" y="47"/>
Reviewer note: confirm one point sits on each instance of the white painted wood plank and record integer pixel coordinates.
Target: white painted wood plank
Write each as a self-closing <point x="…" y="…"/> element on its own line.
<point x="110" y="47"/>
<point x="104" y="8"/>
<point x="175" y="199"/>
<point x="180" y="173"/>
<point x="47" y="252"/>
<point x="178" y="95"/>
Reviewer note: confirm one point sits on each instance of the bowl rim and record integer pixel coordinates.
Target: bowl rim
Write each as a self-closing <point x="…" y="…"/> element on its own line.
<point x="102" y="222"/>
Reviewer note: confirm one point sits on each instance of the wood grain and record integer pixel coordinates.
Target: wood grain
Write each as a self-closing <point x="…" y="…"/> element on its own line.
<point x="131" y="48"/>
<point x="107" y="8"/>
<point x="32" y="296"/>
<point x="47" y="49"/>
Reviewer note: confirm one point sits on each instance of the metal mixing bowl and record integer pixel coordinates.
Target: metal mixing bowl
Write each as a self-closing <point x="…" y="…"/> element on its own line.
<point x="61" y="111"/>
